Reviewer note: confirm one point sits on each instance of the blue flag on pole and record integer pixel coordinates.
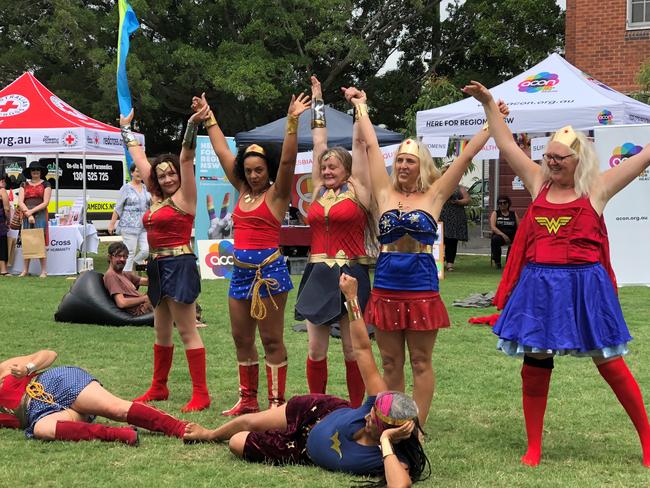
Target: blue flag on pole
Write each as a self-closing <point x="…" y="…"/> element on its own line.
<point x="128" y="24"/>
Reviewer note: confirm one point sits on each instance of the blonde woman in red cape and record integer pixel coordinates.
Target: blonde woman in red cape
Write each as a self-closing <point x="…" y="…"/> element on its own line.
<point x="558" y="291"/>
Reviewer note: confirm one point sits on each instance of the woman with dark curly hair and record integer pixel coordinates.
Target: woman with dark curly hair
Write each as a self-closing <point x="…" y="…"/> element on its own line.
<point x="260" y="281"/>
<point x="381" y="437"/>
<point x="174" y="282"/>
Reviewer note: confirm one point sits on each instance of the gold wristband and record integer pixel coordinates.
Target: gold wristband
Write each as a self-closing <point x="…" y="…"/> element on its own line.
<point x="354" y="310"/>
<point x="210" y="121"/>
<point x="292" y="124"/>
<point x="360" y="111"/>
<point x="486" y="126"/>
<point x="386" y="447"/>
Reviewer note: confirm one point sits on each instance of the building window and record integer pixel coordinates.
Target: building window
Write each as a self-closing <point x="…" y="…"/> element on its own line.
<point x="638" y="14"/>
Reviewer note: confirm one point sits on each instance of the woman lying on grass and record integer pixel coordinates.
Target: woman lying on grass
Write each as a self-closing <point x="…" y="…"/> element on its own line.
<point x="378" y="438"/>
<point x="60" y="404"/>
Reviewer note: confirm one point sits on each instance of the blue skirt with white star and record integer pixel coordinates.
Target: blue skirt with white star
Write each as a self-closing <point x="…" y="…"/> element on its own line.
<point x="64" y="383"/>
<point x="243" y="279"/>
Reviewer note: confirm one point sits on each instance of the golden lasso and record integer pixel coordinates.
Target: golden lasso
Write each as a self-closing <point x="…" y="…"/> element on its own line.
<point x="36" y="391"/>
<point x="258" y="309"/>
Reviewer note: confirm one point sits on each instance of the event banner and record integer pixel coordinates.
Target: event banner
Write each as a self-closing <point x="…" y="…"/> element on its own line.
<point x="627" y="214"/>
<point x="216" y="197"/>
<point x="216" y="258"/>
<point x="66" y="140"/>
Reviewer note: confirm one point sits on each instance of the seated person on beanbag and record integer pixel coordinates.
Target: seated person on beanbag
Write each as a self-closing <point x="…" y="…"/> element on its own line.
<point x="123" y="285"/>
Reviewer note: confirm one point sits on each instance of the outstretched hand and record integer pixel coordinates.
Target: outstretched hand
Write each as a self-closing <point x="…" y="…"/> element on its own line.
<point x="126" y="119"/>
<point x="316" y="90"/>
<point x="298" y="105"/>
<point x="478" y="91"/>
<point x="503" y="108"/>
<point x="348" y="285"/>
<point x="354" y="95"/>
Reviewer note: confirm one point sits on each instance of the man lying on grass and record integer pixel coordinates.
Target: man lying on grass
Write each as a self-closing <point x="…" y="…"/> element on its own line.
<point x="378" y="438"/>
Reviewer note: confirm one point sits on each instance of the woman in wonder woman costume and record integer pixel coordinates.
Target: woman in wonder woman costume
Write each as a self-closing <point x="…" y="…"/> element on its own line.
<point x="338" y="217"/>
<point x="378" y="438"/>
<point x="405" y="306"/>
<point x="174" y="282"/>
<point x="61" y="404"/>
<point x="260" y="281"/>
<point x="558" y="291"/>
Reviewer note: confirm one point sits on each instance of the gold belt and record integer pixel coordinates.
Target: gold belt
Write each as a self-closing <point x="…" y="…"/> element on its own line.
<point x="258" y="309"/>
<point x="159" y="252"/>
<point x="413" y="247"/>
<point x="340" y="260"/>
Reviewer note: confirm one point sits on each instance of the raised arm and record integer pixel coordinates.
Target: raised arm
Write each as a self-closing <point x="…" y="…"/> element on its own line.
<point x="284" y="181"/>
<point x="360" y="167"/>
<point x="615" y="179"/>
<point x="448" y="182"/>
<point x="360" y="340"/>
<point x="219" y="143"/>
<point x="187" y="190"/>
<point x="318" y="130"/>
<point x="521" y="164"/>
<point x="23" y="365"/>
<point x="135" y="149"/>
<point x="379" y="179"/>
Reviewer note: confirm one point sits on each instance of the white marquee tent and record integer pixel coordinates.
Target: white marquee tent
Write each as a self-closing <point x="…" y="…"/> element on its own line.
<point x="548" y="96"/>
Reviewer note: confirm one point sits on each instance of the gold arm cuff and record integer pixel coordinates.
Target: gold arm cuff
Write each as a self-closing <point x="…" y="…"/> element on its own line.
<point x="292" y="124"/>
<point x="360" y="111"/>
<point x="486" y="126"/>
<point x="159" y="252"/>
<point x="354" y="310"/>
<point x="386" y="447"/>
<point x="132" y="143"/>
<point x="210" y="121"/>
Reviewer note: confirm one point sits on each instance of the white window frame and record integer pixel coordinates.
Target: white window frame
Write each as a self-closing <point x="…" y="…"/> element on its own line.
<point x="636" y="25"/>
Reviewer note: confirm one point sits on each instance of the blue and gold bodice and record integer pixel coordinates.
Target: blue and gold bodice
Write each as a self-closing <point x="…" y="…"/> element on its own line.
<point x="406" y="260"/>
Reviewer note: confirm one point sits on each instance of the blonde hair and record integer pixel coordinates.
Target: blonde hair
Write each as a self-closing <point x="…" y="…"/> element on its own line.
<point x="428" y="171"/>
<point x="341" y="154"/>
<point x="587" y="168"/>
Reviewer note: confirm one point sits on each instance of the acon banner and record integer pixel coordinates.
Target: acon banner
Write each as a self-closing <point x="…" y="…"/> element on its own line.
<point x="627" y="215"/>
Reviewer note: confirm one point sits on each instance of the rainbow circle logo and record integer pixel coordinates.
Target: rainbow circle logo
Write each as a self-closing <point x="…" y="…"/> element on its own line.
<point x="220" y="259"/>
<point x="622" y="152"/>
<point x="541" y="82"/>
<point x="605" y="117"/>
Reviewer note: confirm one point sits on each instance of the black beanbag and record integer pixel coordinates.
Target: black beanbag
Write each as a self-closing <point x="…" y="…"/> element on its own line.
<point x="88" y="302"/>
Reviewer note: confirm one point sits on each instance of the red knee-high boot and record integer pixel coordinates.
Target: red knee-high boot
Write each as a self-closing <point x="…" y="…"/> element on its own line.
<point x="162" y="363"/>
<point x="248" y="381"/>
<point x="356" y="387"/>
<point x="534" y="386"/>
<point x="150" y="418"/>
<point x="200" y="397"/>
<point x="276" y="379"/>
<point x="620" y="379"/>
<point x="82" y="431"/>
<point x="316" y="375"/>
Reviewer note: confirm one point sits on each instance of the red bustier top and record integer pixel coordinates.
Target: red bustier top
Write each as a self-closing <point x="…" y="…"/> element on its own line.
<point x="338" y="223"/>
<point x="257" y="229"/>
<point x="564" y="233"/>
<point x="11" y="393"/>
<point x="167" y="225"/>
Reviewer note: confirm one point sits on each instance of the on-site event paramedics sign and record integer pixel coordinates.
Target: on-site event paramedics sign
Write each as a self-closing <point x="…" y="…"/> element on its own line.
<point x="627" y="214"/>
<point x="216" y="258"/>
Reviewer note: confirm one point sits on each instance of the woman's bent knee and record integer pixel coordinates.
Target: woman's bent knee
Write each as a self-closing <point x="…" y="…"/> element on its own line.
<point x="237" y="443"/>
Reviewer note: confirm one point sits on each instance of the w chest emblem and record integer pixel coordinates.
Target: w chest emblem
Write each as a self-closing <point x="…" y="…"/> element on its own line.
<point x="553" y="225"/>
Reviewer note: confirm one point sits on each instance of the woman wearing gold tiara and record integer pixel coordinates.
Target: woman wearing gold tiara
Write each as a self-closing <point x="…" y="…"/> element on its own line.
<point x="338" y="218"/>
<point x="61" y="403"/>
<point x="405" y="305"/>
<point x="558" y="291"/>
<point x="174" y="282"/>
<point x="260" y="281"/>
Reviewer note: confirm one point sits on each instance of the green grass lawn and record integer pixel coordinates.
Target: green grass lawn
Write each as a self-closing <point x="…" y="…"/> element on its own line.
<point x="475" y="428"/>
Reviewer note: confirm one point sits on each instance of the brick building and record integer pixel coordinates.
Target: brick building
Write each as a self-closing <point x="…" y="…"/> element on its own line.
<point x="609" y="39"/>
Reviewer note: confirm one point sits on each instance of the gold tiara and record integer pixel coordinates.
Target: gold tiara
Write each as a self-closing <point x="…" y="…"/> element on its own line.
<point x="390" y="420"/>
<point x="164" y="166"/>
<point x="254" y="148"/>
<point x="566" y="135"/>
<point x="409" y="146"/>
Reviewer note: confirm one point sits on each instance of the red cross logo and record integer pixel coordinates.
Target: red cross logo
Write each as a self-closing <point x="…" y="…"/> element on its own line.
<point x="8" y="105"/>
<point x="69" y="140"/>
